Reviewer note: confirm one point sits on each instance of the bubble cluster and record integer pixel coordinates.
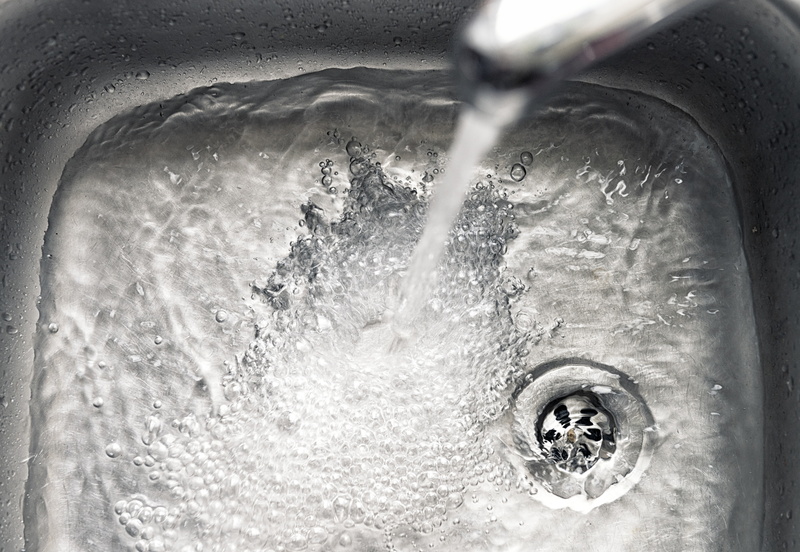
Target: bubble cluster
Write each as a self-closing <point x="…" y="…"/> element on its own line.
<point x="326" y="168"/>
<point x="325" y="434"/>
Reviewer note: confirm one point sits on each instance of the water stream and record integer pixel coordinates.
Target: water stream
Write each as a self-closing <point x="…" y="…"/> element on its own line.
<point x="475" y="134"/>
<point x="212" y="370"/>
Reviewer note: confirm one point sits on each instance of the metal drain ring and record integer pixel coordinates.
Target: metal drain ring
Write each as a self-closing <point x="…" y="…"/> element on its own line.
<point x="569" y="467"/>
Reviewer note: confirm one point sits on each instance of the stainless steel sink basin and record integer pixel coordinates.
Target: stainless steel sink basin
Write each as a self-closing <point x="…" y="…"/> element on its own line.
<point x="729" y="74"/>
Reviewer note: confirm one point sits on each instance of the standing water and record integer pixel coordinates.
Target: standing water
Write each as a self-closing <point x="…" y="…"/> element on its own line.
<point x="210" y="375"/>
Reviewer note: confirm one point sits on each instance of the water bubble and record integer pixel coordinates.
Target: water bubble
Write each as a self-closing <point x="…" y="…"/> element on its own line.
<point x="158" y="451"/>
<point x="454" y="500"/>
<point x="120" y="506"/>
<point x="297" y="541"/>
<point x="354" y="148"/>
<point x="526" y="158"/>
<point x="113" y="450"/>
<point x="133" y="527"/>
<point x="317" y="535"/>
<point x="518" y="172"/>
<point x="146" y="514"/>
<point x="159" y="514"/>
<point x="288" y="420"/>
<point x="359" y="167"/>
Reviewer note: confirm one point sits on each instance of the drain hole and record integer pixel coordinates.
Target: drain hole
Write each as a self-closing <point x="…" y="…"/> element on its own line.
<point x="575" y="431"/>
<point x="578" y="434"/>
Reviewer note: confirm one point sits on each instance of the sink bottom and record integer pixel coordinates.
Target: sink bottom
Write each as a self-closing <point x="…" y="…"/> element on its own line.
<point x="212" y="368"/>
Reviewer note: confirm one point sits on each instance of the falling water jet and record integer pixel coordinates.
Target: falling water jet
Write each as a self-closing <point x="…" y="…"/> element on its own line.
<point x="475" y="135"/>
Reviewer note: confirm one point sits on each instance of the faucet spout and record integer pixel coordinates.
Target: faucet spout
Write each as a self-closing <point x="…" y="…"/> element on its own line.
<point x="514" y="51"/>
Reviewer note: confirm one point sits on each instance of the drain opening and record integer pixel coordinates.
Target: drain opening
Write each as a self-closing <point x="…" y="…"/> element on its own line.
<point x="574" y="432"/>
<point x="578" y="434"/>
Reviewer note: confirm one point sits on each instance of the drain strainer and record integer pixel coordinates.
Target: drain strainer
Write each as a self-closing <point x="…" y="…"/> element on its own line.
<point x="581" y="435"/>
<point x="576" y="431"/>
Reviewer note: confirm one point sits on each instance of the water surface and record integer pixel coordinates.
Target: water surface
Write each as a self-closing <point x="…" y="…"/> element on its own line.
<point x="210" y="369"/>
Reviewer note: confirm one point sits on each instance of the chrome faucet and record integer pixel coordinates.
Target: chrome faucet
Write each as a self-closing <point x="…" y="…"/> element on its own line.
<point x="514" y="51"/>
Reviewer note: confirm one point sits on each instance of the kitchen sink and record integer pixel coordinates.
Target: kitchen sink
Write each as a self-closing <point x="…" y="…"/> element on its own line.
<point x="208" y="209"/>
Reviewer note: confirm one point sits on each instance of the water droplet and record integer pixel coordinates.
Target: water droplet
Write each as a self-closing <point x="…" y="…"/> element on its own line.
<point x="110" y="88"/>
<point x="113" y="450"/>
<point x="221" y="316"/>
<point x="52" y="327"/>
<point x="97" y="402"/>
<point x="518" y="172"/>
<point x="158" y="340"/>
<point x="526" y="158"/>
<point x="143" y="75"/>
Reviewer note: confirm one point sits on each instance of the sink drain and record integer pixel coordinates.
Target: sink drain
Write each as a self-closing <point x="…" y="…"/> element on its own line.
<point x="580" y="434"/>
<point x="576" y="431"/>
